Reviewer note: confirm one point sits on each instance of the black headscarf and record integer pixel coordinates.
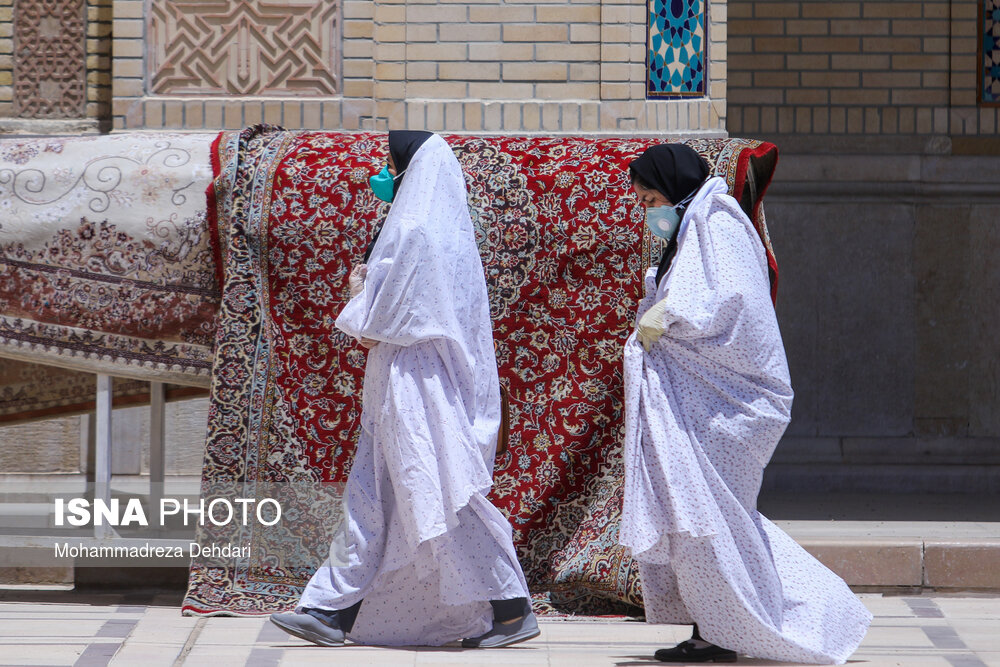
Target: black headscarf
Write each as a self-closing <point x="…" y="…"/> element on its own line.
<point x="675" y="171"/>
<point x="403" y="145"/>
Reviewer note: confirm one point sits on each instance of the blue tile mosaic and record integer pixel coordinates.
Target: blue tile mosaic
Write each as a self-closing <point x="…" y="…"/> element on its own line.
<point x="675" y="48"/>
<point x="989" y="52"/>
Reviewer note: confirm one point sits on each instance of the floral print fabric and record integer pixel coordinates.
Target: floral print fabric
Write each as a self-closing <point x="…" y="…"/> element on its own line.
<point x="705" y="408"/>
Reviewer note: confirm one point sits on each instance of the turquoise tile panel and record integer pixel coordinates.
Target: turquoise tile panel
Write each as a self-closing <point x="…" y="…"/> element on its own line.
<point x="675" y="48"/>
<point x="989" y="52"/>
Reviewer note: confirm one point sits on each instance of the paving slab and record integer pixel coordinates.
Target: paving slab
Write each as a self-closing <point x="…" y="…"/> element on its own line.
<point x="148" y="655"/>
<point x="214" y="656"/>
<point x="50" y="654"/>
<point x="908" y="631"/>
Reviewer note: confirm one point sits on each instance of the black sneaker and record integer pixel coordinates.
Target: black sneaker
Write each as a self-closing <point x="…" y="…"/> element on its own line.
<point x="687" y="651"/>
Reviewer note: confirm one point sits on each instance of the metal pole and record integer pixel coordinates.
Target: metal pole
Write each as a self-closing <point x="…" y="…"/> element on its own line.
<point x="102" y="450"/>
<point x="157" y="436"/>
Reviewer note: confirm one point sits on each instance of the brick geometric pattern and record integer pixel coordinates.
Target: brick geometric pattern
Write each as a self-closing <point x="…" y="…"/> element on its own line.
<point x="462" y="66"/>
<point x="243" y="47"/>
<point x="49" y="59"/>
<point x="989" y="52"/>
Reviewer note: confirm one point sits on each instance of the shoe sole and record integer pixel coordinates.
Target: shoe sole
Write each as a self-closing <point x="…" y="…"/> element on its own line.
<point x="512" y="639"/>
<point x="724" y="658"/>
<point x="319" y="640"/>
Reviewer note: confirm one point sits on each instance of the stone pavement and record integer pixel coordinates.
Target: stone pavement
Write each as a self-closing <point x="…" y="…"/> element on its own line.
<point x="88" y="630"/>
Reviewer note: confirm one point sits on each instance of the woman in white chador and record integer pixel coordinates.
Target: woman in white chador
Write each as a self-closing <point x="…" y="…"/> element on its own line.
<point x="707" y="398"/>
<point x="424" y="557"/>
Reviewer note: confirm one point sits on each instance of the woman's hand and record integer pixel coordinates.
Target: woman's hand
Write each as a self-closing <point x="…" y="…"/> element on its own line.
<point x="356" y="280"/>
<point x="368" y="343"/>
<point x="652" y="325"/>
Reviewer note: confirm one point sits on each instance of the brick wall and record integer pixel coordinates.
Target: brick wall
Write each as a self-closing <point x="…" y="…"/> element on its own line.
<point x="874" y="67"/>
<point x="6" y="57"/>
<point x="888" y="161"/>
<point x="888" y="67"/>
<point x="99" y="22"/>
<point x="467" y="65"/>
<point x="97" y="95"/>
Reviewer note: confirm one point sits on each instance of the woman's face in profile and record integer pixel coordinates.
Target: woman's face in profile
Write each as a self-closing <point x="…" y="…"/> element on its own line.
<point x="392" y="165"/>
<point x="650" y="198"/>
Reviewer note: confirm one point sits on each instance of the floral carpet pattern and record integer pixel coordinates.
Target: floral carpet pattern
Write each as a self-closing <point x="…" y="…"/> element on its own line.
<point x="106" y="260"/>
<point x="564" y="247"/>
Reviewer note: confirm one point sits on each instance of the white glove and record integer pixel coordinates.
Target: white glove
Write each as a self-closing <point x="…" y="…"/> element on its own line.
<point x="356" y="280"/>
<point x="652" y="325"/>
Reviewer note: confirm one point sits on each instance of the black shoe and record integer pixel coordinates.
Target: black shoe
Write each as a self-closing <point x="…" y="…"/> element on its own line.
<point x="687" y="652"/>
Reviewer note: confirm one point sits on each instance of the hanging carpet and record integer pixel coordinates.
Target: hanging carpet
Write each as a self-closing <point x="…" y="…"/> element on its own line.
<point x="564" y="247"/>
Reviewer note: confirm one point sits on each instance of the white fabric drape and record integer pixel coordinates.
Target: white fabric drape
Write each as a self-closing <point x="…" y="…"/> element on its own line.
<point x="425" y="550"/>
<point x="705" y="409"/>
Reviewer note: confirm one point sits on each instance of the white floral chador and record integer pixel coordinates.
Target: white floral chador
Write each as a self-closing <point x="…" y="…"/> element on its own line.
<point x="422" y="547"/>
<point x="705" y="409"/>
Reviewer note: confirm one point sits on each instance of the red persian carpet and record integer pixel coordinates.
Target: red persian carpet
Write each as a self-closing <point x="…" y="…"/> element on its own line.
<point x="564" y="247"/>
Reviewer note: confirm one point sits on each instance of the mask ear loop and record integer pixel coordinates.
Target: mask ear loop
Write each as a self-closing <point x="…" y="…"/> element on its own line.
<point x="687" y="200"/>
<point x="681" y="207"/>
<point x="395" y="182"/>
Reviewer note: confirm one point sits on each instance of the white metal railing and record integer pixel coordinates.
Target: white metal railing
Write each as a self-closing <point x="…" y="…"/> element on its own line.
<point x="102" y="490"/>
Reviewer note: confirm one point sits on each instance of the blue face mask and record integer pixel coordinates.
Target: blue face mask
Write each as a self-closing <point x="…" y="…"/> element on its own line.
<point x="663" y="220"/>
<point x="383" y="184"/>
